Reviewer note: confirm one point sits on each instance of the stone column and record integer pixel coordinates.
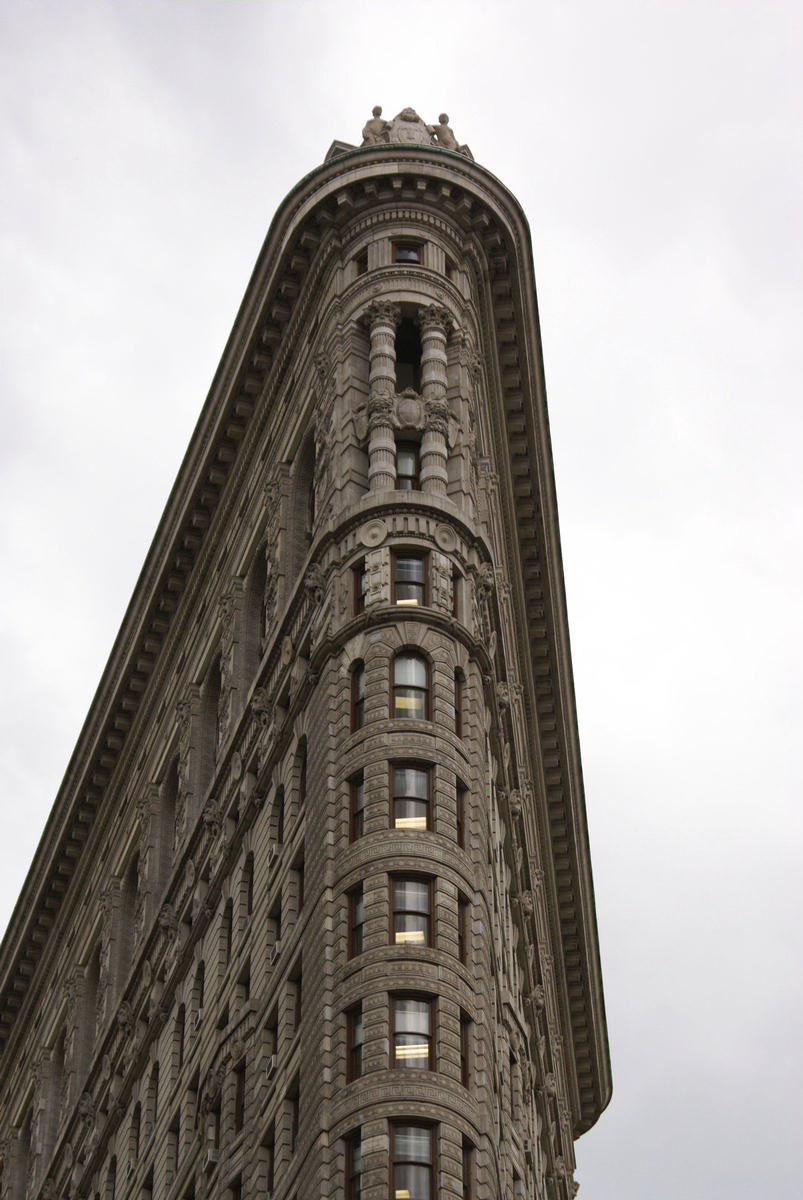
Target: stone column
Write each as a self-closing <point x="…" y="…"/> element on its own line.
<point x="382" y="317"/>
<point x="435" y="324"/>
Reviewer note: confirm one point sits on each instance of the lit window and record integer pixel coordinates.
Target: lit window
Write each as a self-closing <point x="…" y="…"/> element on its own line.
<point x="410" y="686"/>
<point x="411" y="1033"/>
<point x="411" y="905"/>
<point x="412" y="1162"/>
<point x="409" y="580"/>
<point x="411" y="798"/>
<point x="407" y="468"/>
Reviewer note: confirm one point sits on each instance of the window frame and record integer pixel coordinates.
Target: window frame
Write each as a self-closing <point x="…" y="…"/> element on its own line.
<point x="429" y="929"/>
<point x="397" y="1162"/>
<point x="461" y="812"/>
<point x="357" y="695"/>
<point x="360" y="576"/>
<point x="465" y="1048"/>
<point x="424" y="692"/>
<point x="354" y="1047"/>
<point x="408" y="244"/>
<point x="459" y="702"/>
<point x="419" y="998"/>
<point x="424" y="769"/>
<point x="463" y="910"/>
<point x="353" y="1189"/>
<point x="412" y="481"/>
<point x="421" y="557"/>
<point x="356" y="929"/>
<point x="357" y="810"/>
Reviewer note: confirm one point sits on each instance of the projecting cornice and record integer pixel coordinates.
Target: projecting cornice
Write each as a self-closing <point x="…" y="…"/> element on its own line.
<point x="255" y="370"/>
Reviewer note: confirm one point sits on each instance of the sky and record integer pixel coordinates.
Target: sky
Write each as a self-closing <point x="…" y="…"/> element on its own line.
<point x="656" y="149"/>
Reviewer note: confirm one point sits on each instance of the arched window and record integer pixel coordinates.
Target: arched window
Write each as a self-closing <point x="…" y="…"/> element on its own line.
<point x="357" y="695"/>
<point x="410" y="686"/>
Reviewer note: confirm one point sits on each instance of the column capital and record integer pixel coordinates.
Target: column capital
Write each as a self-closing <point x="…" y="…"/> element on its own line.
<point x="382" y="312"/>
<point x="435" y="318"/>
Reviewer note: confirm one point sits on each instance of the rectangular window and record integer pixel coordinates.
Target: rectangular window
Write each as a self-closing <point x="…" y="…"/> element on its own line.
<point x="411" y="920"/>
<point x="468" y="1170"/>
<point x="409" y="579"/>
<point x="407" y="252"/>
<point x="460" y="814"/>
<point x="357" y="807"/>
<point x="462" y="928"/>
<point x="354" y="1043"/>
<point x="410" y="687"/>
<point x="411" y="1038"/>
<point x="458" y="702"/>
<point x="360" y="585"/>
<point x="356" y="921"/>
<point x="357" y="696"/>
<point x="412" y="1166"/>
<point x="465" y="1049"/>
<point x="407" y="464"/>
<point x="354" y="1167"/>
<point x="410" y="789"/>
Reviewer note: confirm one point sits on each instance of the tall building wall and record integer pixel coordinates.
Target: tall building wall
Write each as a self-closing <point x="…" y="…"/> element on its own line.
<point x="313" y="915"/>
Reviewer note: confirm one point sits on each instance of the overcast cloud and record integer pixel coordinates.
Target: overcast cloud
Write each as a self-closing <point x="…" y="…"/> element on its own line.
<point x="656" y="149"/>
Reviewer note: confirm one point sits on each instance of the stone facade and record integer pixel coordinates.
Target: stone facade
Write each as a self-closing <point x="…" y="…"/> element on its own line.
<point x="313" y="916"/>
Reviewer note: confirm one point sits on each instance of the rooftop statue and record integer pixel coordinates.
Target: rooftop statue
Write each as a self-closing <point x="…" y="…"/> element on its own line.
<point x="374" y="131"/>
<point x="407" y="127"/>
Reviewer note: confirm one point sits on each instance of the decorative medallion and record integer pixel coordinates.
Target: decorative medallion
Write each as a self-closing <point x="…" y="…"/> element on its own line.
<point x="373" y="533"/>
